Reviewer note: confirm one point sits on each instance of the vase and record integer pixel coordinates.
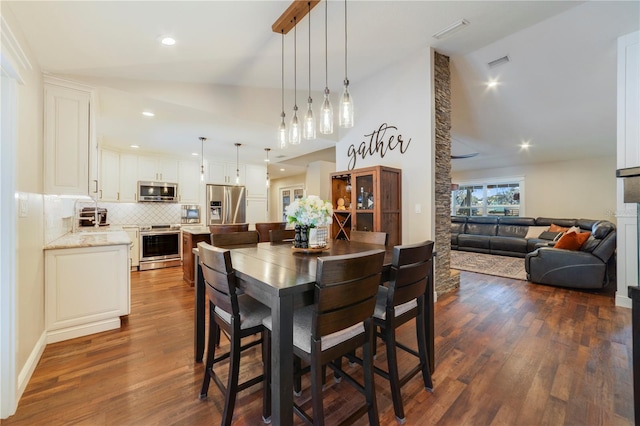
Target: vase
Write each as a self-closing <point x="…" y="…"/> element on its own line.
<point x="297" y="240"/>
<point x="318" y="237"/>
<point x="304" y="236"/>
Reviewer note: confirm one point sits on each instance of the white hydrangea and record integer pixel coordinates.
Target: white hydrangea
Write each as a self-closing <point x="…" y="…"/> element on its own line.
<point x="310" y="211"/>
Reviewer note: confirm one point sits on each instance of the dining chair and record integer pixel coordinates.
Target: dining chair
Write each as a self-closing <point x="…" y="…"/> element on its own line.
<point x="234" y="238"/>
<point x="228" y="227"/>
<point x="337" y="323"/>
<point x="369" y="237"/>
<point x="263" y="229"/>
<point x="404" y="300"/>
<point x="239" y="316"/>
<point x="280" y="235"/>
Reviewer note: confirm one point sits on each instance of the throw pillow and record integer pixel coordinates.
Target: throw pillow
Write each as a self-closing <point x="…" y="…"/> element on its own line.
<point x="535" y="231"/>
<point x="572" y="240"/>
<point x="555" y="228"/>
<point x="575" y="229"/>
<point x="548" y="235"/>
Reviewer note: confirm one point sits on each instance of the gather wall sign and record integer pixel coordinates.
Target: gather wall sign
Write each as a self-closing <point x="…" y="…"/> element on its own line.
<point x="386" y="138"/>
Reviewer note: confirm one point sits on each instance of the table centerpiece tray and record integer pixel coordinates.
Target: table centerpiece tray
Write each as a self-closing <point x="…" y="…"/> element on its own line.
<point x="309" y="250"/>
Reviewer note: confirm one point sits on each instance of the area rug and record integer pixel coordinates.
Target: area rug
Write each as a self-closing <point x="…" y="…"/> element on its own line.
<point x="501" y="266"/>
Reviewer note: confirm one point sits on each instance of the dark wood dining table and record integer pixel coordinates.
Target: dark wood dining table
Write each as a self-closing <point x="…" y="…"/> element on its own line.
<point x="283" y="280"/>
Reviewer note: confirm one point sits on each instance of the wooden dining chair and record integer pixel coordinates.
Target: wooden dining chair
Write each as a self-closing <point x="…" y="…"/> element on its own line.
<point x="234" y="238"/>
<point x="369" y="237"/>
<point x="400" y="302"/>
<point x="337" y="323"/>
<point x="280" y="235"/>
<point x="263" y="229"/>
<point x="240" y="316"/>
<point x="228" y="227"/>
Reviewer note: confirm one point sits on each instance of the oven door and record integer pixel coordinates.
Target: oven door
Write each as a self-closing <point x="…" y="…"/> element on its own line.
<point x="159" y="245"/>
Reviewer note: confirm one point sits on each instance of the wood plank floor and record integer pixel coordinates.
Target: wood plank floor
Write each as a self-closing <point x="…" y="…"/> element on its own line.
<point x="507" y="353"/>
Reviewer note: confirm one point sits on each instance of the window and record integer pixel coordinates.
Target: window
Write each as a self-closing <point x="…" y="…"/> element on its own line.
<point x="487" y="199"/>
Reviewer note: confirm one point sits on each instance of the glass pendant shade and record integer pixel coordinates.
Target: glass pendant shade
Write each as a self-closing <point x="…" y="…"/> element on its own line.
<point x="282" y="134"/>
<point x="309" y="127"/>
<point x="346" y="107"/>
<point x="294" y="128"/>
<point x="326" y="114"/>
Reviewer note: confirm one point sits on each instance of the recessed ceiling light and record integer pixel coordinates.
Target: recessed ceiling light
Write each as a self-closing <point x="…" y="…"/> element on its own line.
<point x="525" y="145"/>
<point x="282" y="170"/>
<point x="168" y="41"/>
<point x="135" y="146"/>
<point x="148" y="114"/>
<point x="460" y="23"/>
<point x="492" y="84"/>
<point x="195" y="154"/>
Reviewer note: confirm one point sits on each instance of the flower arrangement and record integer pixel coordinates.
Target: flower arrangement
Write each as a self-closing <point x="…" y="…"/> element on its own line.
<point x="309" y="211"/>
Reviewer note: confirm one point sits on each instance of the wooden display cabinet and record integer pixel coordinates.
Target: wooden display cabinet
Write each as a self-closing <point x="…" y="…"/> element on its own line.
<point x="372" y="202"/>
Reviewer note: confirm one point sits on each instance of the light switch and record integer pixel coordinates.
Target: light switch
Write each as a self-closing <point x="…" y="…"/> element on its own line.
<point x="418" y="208"/>
<point x="23" y="204"/>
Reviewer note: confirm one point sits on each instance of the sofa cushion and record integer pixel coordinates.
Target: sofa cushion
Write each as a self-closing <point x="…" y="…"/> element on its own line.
<point x="535" y="231"/>
<point x="572" y="240"/>
<point x="601" y="229"/>
<point x="473" y="241"/>
<point x="557" y="228"/>
<point x="482" y="226"/>
<point x="507" y="244"/>
<point x="547" y="221"/>
<point x="549" y="236"/>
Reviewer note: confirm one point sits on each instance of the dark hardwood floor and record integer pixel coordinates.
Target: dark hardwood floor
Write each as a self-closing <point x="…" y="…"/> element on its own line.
<point x="507" y="353"/>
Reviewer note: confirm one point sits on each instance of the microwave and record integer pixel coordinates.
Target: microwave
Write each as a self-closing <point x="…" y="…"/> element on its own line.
<point x="159" y="192"/>
<point x="190" y="213"/>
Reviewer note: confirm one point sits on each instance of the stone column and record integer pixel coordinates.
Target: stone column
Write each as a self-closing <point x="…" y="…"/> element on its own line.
<point x="444" y="280"/>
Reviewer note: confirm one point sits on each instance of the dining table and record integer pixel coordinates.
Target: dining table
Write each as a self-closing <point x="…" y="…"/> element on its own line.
<point x="284" y="279"/>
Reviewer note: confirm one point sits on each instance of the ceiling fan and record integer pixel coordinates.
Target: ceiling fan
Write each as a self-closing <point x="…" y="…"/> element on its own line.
<point x="458" y="157"/>
<point x="455" y="143"/>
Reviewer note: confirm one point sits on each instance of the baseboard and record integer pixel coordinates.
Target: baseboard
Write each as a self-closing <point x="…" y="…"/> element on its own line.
<point x="623" y="300"/>
<point x="31" y="364"/>
<point x="67" y="333"/>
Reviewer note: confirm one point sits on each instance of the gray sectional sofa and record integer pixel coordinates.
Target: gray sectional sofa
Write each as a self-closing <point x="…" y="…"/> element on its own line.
<point x="589" y="267"/>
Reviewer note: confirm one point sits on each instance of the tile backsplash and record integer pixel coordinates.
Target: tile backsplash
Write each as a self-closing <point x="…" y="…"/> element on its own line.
<point x="142" y="213"/>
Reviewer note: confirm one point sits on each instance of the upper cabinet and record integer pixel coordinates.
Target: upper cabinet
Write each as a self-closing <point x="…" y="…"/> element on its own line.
<point x="118" y="176"/>
<point x="256" y="181"/>
<point x="222" y="173"/>
<point x="68" y="143"/>
<point x="189" y="184"/>
<point x="157" y="169"/>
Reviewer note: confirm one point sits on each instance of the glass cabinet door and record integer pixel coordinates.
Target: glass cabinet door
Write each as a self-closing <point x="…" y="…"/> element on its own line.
<point x="364" y="191"/>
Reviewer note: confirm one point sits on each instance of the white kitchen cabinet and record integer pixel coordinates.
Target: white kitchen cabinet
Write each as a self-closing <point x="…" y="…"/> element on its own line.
<point x="256" y="181"/>
<point x="222" y="173"/>
<point x="68" y="147"/>
<point x="157" y="169"/>
<point x="189" y="185"/>
<point x="256" y="210"/>
<point x="134" y="255"/>
<point x="128" y="178"/>
<point x="109" y="188"/>
<point x="86" y="290"/>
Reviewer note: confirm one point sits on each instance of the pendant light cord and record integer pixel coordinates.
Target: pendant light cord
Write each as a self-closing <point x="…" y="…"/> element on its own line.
<point x="345" y="41"/>
<point x="309" y="4"/>
<point x="326" y="51"/>
<point x="295" y="64"/>
<point x="282" y="68"/>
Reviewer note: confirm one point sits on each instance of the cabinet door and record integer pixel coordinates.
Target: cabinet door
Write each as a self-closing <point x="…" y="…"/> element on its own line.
<point x="167" y="170"/>
<point x="134" y="252"/>
<point x="147" y="168"/>
<point x="109" y="175"/>
<point x="189" y="185"/>
<point x="256" y="210"/>
<point x="66" y="140"/>
<point x="256" y="180"/>
<point x="128" y="178"/>
<point x="217" y="172"/>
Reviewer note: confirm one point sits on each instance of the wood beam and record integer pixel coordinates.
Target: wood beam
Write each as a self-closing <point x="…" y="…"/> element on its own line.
<point x="298" y="10"/>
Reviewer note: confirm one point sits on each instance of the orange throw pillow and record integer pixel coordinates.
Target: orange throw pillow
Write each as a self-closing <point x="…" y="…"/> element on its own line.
<point x="555" y="228"/>
<point x="572" y="240"/>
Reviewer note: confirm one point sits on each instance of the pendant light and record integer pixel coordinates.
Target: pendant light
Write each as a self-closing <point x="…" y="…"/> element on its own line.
<point x="238" y="145"/>
<point x="309" y="126"/>
<point x="202" y="139"/>
<point x="326" y="111"/>
<point x="267" y="161"/>
<point x="282" y="131"/>
<point x="294" y="130"/>
<point x="345" y="115"/>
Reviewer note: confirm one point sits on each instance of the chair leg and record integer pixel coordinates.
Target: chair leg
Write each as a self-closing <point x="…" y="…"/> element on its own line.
<point x="316" y="391"/>
<point x="211" y="355"/>
<point x="232" y="381"/>
<point x="370" y="394"/>
<point x="297" y="378"/>
<point x="423" y="353"/>
<point x="394" y="378"/>
<point x="266" y="387"/>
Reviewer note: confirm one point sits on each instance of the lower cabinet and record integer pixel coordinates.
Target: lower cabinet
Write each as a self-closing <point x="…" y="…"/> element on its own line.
<point x="189" y="242"/>
<point x="134" y="235"/>
<point x="87" y="289"/>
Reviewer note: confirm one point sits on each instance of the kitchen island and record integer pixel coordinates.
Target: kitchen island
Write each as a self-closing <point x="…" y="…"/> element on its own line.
<point x="87" y="283"/>
<point x="191" y="236"/>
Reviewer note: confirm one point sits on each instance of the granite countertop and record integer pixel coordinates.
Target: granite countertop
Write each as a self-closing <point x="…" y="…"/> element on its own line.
<point x="196" y="229"/>
<point x="86" y="238"/>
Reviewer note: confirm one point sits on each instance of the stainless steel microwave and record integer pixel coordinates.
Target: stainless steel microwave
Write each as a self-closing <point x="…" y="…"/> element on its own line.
<point x="159" y="192"/>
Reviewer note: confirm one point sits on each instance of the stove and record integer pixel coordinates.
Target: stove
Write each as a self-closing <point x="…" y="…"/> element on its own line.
<point x="160" y="246"/>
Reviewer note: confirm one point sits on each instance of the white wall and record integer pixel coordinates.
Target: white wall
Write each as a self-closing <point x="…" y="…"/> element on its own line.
<point x="317" y="181"/>
<point x="400" y="96"/>
<point x="274" y="194"/>
<point x="568" y="189"/>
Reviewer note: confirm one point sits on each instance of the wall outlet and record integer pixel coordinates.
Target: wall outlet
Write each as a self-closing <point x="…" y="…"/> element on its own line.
<point x="418" y="208"/>
<point x="23" y="204"/>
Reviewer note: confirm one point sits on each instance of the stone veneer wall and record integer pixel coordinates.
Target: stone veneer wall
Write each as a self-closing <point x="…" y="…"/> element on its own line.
<point x="444" y="280"/>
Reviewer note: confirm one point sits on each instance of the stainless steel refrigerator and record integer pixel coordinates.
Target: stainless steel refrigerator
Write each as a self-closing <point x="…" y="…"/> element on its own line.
<point x="226" y="204"/>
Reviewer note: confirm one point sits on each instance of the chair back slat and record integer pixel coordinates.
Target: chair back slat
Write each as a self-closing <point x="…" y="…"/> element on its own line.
<point x="219" y="277"/>
<point x="263" y="229"/>
<point x="409" y="272"/>
<point x="228" y="227"/>
<point x="369" y="237"/>
<point x="346" y="289"/>
<point x="234" y="238"/>
<point x="279" y="235"/>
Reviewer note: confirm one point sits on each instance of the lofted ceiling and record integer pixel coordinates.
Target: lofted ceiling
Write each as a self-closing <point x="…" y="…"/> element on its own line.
<point x="222" y="79"/>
